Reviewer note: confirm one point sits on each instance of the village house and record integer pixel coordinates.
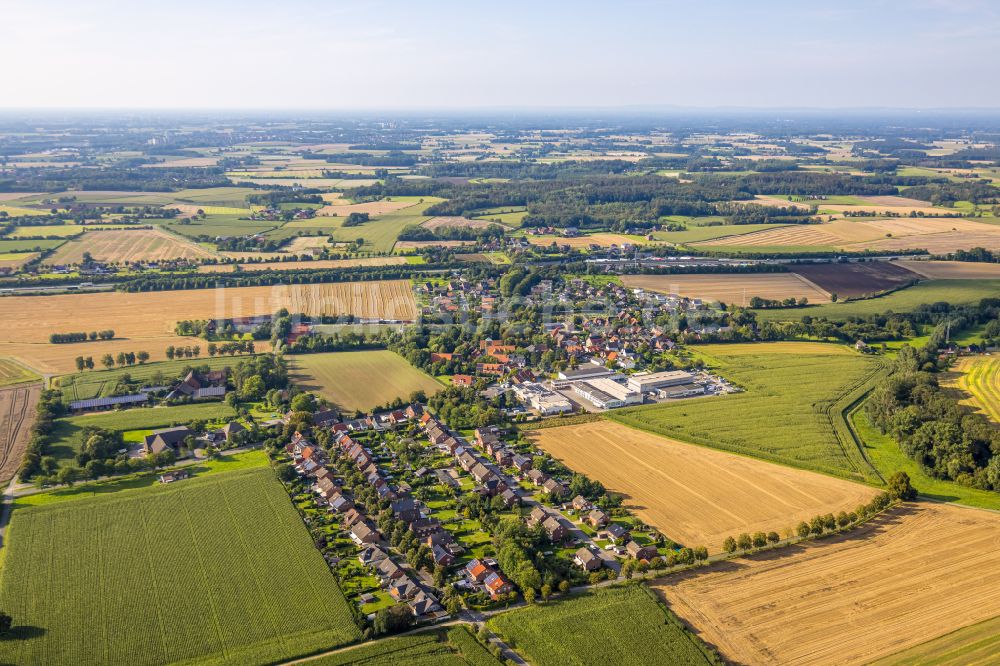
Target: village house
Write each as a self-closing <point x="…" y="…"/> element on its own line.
<point x="496" y="584"/>
<point x="364" y="533"/>
<point x="555" y="529"/>
<point x="597" y="518"/>
<point x="536" y="476"/>
<point x="168" y="439"/>
<point x="554" y="489"/>
<point x="580" y="503"/>
<point x="587" y="560"/>
<point x="637" y="552"/>
<point x="615" y="533"/>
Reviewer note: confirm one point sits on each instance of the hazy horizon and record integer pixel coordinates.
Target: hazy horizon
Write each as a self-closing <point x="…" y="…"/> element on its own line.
<point x="633" y="56"/>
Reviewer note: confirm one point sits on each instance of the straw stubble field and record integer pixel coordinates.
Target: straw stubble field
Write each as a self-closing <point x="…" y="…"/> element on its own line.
<point x="731" y="287"/>
<point x="145" y="320"/>
<point x="905" y="578"/>
<point x="693" y="494"/>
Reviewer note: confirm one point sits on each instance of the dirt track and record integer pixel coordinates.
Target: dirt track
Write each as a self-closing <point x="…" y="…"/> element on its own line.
<point x="17" y="414"/>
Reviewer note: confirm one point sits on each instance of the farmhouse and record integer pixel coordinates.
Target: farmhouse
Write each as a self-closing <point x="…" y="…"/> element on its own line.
<point x="167" y="439"/>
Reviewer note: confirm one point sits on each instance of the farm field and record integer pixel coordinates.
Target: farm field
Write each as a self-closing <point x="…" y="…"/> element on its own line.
<point x="618" y="625"/>
<point x="149" y="577"/>
<point x="343" y="207"/>
<point x="14" y="261"/>
<point x="975" y="645"/>
<point x="855" y="279"/>
<point x="380" y="233"/>
<point x="977" y="379"/>
<point x="454" y="647"/>
<point x="787" y="412"/>
<point x="127" y="246"/>
<point x="955" y="292"/>
<point x="304" y="244"/>
<point x="736" y="288"/>
<point x="360" y="379"/>
<point x="12" y="372"/>
<point x="696" y="234"/>
<point x="916" y="573"/>
<point x="18" y="406"/>
<point x="953" y="270"/>
<point x="7" y="246"/>
<point x="101" y="383"/>
<point x="442" y="222"/>
<point x="219" y="225"/>
<point x="583" y="242"/>
<point x="63" y="230"/>
<point x="694" y="494"/>
<point x="800" y="235"/>
<point x="145" y="320"/>
<point x="317" y="264"/>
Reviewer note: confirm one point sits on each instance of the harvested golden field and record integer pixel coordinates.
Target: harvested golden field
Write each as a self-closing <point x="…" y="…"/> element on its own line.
<point x="456" y="222"/>
<point x="903" y="579"/>
<point x="730" y="287"/>
<point x="937" y="243"/>
<point x="797" y="235"/>
<point x="578" y="242"/>
<point x="693" y="494"/>
<point x="145" y="321"/>
<point x="17" y="415"/>
<point x="343" y="208"/>
<point x="777" y="202"/>
<point x="895" y="201"/>
<point x="915" y="226"/>
<point x="121" y="246"/>
<point x="304" y="244"/>
<point x="952" y="270"/>
<point x="299" y="265"/>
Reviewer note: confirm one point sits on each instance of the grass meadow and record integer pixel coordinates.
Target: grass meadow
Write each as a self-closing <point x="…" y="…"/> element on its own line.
<point x="789" y="412"/>
<point x="67" y="435"/>
<point x="955" y="292"/>
<point x="102" y="383"/>
<point x="215" y="570"/>
<point x="12" y="373"/>
<point x="360" y="379"/>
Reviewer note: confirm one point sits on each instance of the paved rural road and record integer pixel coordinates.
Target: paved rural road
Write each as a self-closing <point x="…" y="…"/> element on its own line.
<point x="8" y="506"/>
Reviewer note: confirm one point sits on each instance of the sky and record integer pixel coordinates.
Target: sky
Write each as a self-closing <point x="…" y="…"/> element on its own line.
<point x="386" y="55"/>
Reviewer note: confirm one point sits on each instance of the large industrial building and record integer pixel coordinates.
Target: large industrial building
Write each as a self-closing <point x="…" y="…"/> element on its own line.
<point x="606" y="393"/>
<point x="644" y="383"/>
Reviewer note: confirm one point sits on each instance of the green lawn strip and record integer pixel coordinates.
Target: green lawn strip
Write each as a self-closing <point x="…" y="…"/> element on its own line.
<point x="976" y="644"/>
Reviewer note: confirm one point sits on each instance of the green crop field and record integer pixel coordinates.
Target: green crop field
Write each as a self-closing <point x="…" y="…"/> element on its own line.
<point x="102" y="383"/>
<point x="29" y="245"/>
<point x="380" y="233"/>
<point x="220" y="225"/>
<point x="790" y="410"/>
<point x="12" y="372"/>
<point x="63" y="230"/>
<point x="230" y="197"/>
<point x="216" y="570"/>
<point x="623" y="625"/>
<point x="361" y="379"/>
<point x="456" y="647"/>
<point x="67" y="433"/>
<point x="975" y="645"/>
<point x="955" y="292"/>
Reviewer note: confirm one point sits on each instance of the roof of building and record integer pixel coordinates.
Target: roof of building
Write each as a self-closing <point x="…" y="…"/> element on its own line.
<point x="98" y="403"/>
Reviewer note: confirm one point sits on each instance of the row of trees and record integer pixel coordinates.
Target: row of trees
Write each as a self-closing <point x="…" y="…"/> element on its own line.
<point x="109" y="361"/>
<point x="60" y="338"/>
